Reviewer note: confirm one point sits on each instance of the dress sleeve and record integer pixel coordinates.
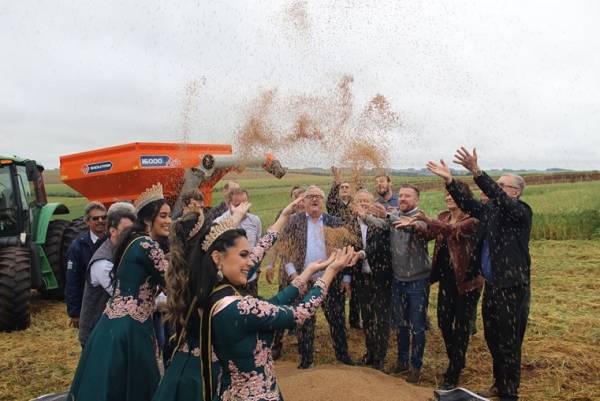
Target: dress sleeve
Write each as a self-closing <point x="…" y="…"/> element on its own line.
<point x="155" y="260"/>
<point x="290" y="293"/>
<point x="254" y="314"/>
<point x="258" y="252"/>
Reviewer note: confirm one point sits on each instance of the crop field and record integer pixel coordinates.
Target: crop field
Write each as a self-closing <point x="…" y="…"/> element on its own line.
<point x="561" y="211"/>
<point x="561" y="353"/>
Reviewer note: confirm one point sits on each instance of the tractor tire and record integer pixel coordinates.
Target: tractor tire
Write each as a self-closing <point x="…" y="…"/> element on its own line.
<point x="54" y="251"/>
<point x="73" y="230"/>
<point x="15" y="288"/>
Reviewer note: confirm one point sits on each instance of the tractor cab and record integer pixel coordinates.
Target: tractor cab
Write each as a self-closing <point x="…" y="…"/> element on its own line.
<point x="22" y="194"/>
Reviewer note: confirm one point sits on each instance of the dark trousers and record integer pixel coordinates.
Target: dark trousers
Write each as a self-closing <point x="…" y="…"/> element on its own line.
<point x="454" y="312"/>
<point x="374" y="301"/>
<point x="355" y="311"/>
<point x="505" y="312"/>
<point x="333" y="306"/>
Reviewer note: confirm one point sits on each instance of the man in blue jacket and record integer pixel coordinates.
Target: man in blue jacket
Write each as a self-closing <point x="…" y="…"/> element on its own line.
<point x="78" y="257"/>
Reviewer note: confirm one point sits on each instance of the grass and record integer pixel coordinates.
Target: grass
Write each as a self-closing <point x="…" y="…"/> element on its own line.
<point x="561" y="211"/>
<point x="560" y="355"/>
<point x="562" y="346"/>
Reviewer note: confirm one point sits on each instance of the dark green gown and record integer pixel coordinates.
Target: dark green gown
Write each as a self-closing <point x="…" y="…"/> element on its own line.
<point x="183" y="378"/>
<point x="119" y="360"/>
<point x="242" y="335"/>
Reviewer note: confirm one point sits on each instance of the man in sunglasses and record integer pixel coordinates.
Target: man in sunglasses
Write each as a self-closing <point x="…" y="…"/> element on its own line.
<point x="78" y="257"/>
<point x="505" y="227"/>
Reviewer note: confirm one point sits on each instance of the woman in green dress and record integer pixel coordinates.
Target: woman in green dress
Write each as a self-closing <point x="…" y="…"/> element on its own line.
<point x="182" y="380"/>
<point x="240" y="328"/>
<point x="119" y="361"/>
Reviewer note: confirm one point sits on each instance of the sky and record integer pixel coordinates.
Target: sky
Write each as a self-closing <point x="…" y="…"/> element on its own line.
<point x="518" y="80"/>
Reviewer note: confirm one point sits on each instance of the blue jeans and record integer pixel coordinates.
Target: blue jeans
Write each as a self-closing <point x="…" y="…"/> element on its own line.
<point x="409" y="313"/>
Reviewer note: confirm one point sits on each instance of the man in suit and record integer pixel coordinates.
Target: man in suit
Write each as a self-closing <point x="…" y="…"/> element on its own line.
<point x="307" y="231"/>
<point x="505" y="222"/>
<point x="372" y="279"/>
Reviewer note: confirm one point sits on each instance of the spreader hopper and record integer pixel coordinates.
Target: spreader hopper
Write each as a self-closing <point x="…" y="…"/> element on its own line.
<point x="122" y="172"/>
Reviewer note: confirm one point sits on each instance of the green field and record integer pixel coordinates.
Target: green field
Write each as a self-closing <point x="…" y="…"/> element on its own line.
<point x="561" y="211"/>
<point x="562" y="344"/>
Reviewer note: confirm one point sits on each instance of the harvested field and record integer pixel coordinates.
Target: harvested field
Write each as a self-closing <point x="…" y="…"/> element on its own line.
<point x="560" y="355"/>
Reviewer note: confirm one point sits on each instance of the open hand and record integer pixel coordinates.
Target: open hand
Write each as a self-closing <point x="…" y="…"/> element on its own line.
<point x="342" y="259"/>
<point x="241" y="210"/>
<point x="291" y="208"/>
<point x="378" y="210"/>
<point x="319" y="265"/>
<point x="466" y="159"/>
<point x="404" y="221"/>
<point x="336" y="174"/>
<point x="441" y="170"/>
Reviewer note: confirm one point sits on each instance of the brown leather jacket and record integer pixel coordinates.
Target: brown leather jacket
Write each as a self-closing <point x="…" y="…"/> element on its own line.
<point x="462" y="239"/>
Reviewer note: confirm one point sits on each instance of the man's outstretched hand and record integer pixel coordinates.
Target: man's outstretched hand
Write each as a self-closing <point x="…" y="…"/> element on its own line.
<point x="441" y="170"/>
<point x="466" y="159"/>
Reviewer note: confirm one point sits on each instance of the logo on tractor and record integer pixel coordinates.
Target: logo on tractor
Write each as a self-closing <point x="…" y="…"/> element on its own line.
<point x="150" y="161"/>
<point x="96" y="167"/>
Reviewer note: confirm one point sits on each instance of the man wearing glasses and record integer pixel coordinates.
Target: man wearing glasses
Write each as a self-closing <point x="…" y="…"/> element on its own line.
<point x="78" y="257"/>
<point x="306" y="231"/>
<point x="505" y="222"/>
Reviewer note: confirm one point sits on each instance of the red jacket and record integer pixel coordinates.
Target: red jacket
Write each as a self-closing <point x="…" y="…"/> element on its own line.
<point x="461" y="238"/>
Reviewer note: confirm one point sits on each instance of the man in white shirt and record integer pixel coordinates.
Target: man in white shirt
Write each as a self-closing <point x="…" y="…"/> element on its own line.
<point x="250" y="223"/>
<point x="98" y="284"/>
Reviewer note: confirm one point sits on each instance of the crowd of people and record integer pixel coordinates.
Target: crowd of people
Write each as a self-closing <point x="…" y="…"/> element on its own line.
<point x="143" y="281"/>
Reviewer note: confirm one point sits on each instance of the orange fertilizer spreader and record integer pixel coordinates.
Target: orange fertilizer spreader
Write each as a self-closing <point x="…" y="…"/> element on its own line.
<point x="122" y="172"/>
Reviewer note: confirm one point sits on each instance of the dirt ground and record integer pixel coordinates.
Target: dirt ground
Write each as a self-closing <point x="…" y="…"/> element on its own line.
<point x="344" y="383"/>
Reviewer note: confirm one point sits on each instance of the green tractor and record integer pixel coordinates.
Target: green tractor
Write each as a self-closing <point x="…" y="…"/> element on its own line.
<point x="33" y="243"/>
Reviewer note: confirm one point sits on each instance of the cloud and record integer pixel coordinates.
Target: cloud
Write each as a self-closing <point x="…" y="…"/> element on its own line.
<point x="517" y="80"/>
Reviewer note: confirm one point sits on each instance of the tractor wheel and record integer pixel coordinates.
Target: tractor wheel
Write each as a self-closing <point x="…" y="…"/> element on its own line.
<point x="73" y="230"/>
<point x="54" y="251"/>
<point x="15" y="288"/>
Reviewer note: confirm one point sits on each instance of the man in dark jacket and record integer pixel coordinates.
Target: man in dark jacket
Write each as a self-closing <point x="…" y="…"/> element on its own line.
<point x="338" y="204"/>
<point x="98" y="283"/>
<point x="505" y="223"/>
<point x="78" y="257"/>
<point x="372" y="281"/>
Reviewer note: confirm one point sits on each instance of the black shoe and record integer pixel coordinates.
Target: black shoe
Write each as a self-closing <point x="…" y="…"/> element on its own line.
<point x="306" y="365"/>
<point x="414" y="376"/>
<point x="401" y="368"/>
<point x="379" y="366"/>
<point x="446" y="385"/>
<point x="366" y="361"/>
<point x="346" y="360"/>
<point x="491" y="392"/>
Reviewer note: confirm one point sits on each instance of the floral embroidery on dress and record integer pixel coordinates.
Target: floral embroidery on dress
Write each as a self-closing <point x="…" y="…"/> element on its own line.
<point x="264" y="244"/>
<point x="140" y="308"/>
<point x="156" y="255"/>
<point x="305" y="310"/>
<point x="253" y="306"/>
<point x="253" y="386"/>
<point x="300" y="284"/>
<point x="185" y="348"/>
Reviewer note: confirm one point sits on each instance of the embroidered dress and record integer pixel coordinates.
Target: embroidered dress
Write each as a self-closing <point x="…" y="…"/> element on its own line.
<point x="118" y="362"/>
<point x="183" y="379"/>
<point x="242" y="335"/>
